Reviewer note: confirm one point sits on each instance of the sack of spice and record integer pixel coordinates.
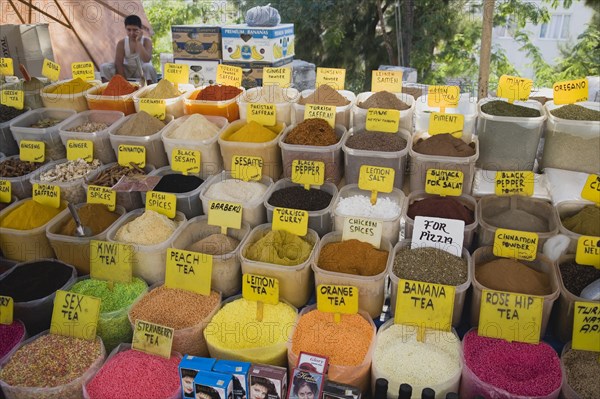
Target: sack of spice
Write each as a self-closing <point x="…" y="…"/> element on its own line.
<point x="12" y="336"/>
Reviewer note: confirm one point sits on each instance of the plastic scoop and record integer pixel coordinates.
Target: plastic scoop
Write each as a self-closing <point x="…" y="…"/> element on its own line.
<point x="592" y="291"/>
<point x="80" y="230"/>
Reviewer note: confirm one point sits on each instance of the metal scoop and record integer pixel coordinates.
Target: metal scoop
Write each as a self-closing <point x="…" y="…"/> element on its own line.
<point x="80" y="230"/>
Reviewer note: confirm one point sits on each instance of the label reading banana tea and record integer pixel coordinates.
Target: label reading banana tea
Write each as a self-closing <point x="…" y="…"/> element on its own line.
<point x="425" y="304"/>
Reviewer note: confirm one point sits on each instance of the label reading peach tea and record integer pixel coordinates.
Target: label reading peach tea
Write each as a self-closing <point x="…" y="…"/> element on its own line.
<point x="375" y="178"/>
<point x="6" y="310"/>
<point x="327" y="112"/>
<point x="424" y="304"/>
<point x="229" y="75"/>
<point x="443" y="96"/>
<point x="591" y="189"/>
<point x="51" y="70"/>
<point x="444" y="182"/>
<point x="446" y="123"/>
<point x="263" y="114"/>
<point x="383" y="120"/>
<point x="514" y="183"/>
<point x="111" y="261"/>
<point x="308" y="173"/>
<point x="177" y="73"/>
<point x="190" y="271"/>
<point x="46" y="194"/>
<point x="277" y="76"/>
<point x="13" y="98"/>
<point x="186" y="161"/>
<point x="334" y="77"/>
<point x="337" y="299"/>
<point x="75" y="315"/>
<point x="83" y="149"/>
<point x="364" y="230"/>
<point x="588" y="251"/>
<point x="586" y="326"/>
<point x="511" y="316"/>
<point x="260" y="289"/>
<point x="83" y="70"/>
<point x="225" y="214"/>
<point x="163" y="203"/>
<point x="570" y="91"/>
<point x="155" y="107"/>
<point x="386" y="80"/>
<point x="514" y="88"/>
<point x="5" y="191"/>
<point x="132" y="153"/>
<point x="246" y="168"/>
<point x="6" y="67"/>
<point x="152" y="339"/>
<point x="515" y="244"/>
<point x="293" y="221"/>
<point x="102" y="195"/>
<point x="32" y="151"/>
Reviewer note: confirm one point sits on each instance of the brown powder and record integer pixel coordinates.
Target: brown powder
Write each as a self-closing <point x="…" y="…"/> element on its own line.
<point x="214" y="244"/>
<point x="163" y="90"/>
<point x="512" y="276"/>
<point x="325" y="95"/>
<point x="142" y="124"/>
<point x="312" y="132"/>
<point x="95" y="216"/>
<point x="353" y="257"/>
<point x="444" y="145"/>
<point x="384" y="99"/>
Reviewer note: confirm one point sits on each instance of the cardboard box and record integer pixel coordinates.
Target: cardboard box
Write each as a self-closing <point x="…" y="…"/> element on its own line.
<point x="202" y="72"/>
<point x="200" y="42"/>
<point x="239" y="372"/>
<point x="305" y="382"/>
<point x="269" y="381"/>
<point x="26" y="44"/>
<point x="189" y="366"/>
<point x="252" y="72"/>
<point x="213" y="385"/>
<point x="266" y="44"/>
<point x="337" y="390"/>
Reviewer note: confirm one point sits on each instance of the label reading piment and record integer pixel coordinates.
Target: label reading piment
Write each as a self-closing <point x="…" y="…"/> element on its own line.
<point x="375" y="178"/>
<point x="51" y="70"/>
<point x="83" y="70"/>
<point x="225" y="214"/>
<point x="314" y="111"/>
<point x="383" y="120"/>
<point x="424" y="304"/>
<point x="570" y="91"/>
<point x="6" y="310"/>
<point x="337" y="299"/>
<point x="446" y="123"/>
<point x="515" y="244"/>
<point x="163" y="203"/>
<point x="13" y="98"/>
<point x="246" y="168"/>
<point x="308" y="173"/>
<point x="588" y="251"/>
<point x="511" y="316"/>
<point x="155" y="107"/>
<point x="102" y="195"/>
<point x="132" y="153"/>
<point x="5" y="191"/>
<point x="591" y="189"/>
<point x="46" y="194"/>
<point x="514" y="183"/>
<point x="32" y="151"/>
<point x="190" y="271"/>
<point x="364" y="230"/>
<point x="75" y="315"/>
<point x="443" y="96"/>
<point x="514" y="88"/>
<point x="83" y="149"/>
<point x="293" y="221"/>
<point x="177" y="73"/>
<point x="229" y="75"/>
<point x="260" y="289"/>
<point x="444" y="234"/>
<point x="277" y="76"/>
<point x="444" y="182"/>
<point x="263" y="114"/>
<point x="111" y="261"/>
<point x="334" y="77"/>
<point x="186" y="161"/>
<point x="6" y="67"/>
<point x="586" y="326"/>
<point x="152" y="339"/>
<point x="386" y="80"/>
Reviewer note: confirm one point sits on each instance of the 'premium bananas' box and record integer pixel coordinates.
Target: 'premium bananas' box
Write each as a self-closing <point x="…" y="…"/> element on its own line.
<point x="243" y="43"/>
<point x="200" y="42"/>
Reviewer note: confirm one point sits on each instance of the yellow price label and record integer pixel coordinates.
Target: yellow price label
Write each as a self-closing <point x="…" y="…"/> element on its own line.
<point x="32" y="151"/>
<point x="6" y="67"/>
<point x="364" y="230"/>
<point x="246" y="168"/>
<point x="229" y="75"/>
<point x="570" y="91"/>
<point x="588" y="251"/>
<point x="83" y="149"/>
<point x="514" y="183"/>
<point x="308" y="173"/>
<point x="260" y="289"/>
<point x="277" y="76"/>
<point x="152" y="339"/>
<point x="383" y="120"/>
<point x="444" y="182"/>
<point x="5" y="191"/>
<point x="111" y="261"/>
<point x="511" y="316"/>
<point x="293" y="221"/>
<point x="591" y="189"/>
<point x="190" y="271"/>
<point x="186" y="161"/>
<point x="132" y="153"/>
<point x="177" y="73"/>
<point x="102" y="195"/>
<point x="315" y="111"/>
<point x="443" y="96"/>
<point x="225" y="214"/>
<point x="46" y="194"/>
<point x="446" y="123"/>
<point x="334" y="77"/>
<point x="263" y="114"/>
<point x="163" y="203"/>
<point x="337" y="299"/>
<point x="376" y="178"/>
<point x="155" y="107"/>
<point x="6" y="310"/>
<point x="386" y="80"/>
<point x="75" y="315"/>
<point x="13" y="98"/>
<point x="83" y="70"/>
<point x="51" y="70"/>
<point x="586" y="326"/>
<point x="515" y="244"/>
<point x="514" y="88"/>
<point x="424" y="304"/>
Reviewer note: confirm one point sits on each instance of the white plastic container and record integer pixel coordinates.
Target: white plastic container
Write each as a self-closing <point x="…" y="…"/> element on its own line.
<point x="20" y="186"/>
<point x="467" y="106"/>
<point x="174" y="105"/>
<point x="8" y="144"/>
<point x="359" y="114"/>
<point x="227" y="108"/>
<point x="74" y="101"/>
<point x="283" y="110"/>
<point x="343" y="114"/>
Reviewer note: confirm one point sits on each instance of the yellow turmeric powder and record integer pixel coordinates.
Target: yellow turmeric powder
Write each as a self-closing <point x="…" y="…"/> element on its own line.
<point x="73" y="86"/>
<point x="253" y="132"/>
<point x="163" y="90"/>
<point x="29" y="215"/>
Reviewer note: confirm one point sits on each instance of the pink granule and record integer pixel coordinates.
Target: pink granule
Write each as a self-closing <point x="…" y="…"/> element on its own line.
<point x="134" y="374"/>
<point x="10" y="336"/>
<point x="518" y="368"/>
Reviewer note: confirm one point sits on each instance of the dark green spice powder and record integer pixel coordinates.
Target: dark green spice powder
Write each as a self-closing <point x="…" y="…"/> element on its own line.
<point x="576" y="113"/>
<point x="502" y="108"/>
<point x="430" y="265"/>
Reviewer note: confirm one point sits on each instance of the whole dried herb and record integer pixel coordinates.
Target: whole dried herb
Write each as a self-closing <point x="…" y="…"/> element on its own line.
<point x="503" y="108"/>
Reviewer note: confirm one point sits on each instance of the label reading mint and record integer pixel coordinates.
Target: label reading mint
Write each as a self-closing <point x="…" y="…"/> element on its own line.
<point x="514" y="88"/>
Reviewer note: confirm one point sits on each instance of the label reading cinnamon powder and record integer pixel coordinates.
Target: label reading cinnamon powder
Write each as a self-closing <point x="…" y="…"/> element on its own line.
<point x="515" y="244"/>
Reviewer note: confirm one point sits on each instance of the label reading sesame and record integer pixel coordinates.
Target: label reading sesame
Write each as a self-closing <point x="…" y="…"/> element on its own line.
<point x="515" y="244"/>
<point x="308" y="173"/>
<point x="375" y="178"/>
<point x="263" y="114"/>
<point x="337" y="299"/>
<point x="514" y="88"/>
<point x="75" y="315"/>
<point x="586" y="326"/>
<point x="13" y="98"/>
<point x="155" y="107"/>
<point x="511" y="316"/>
<point x="334" y="77"/>
<point x="5" y="191"/>
<point x="514" y="183"/>
<point x="152" y="339"/>
<point x="83" y="149"/>
<point x="293" y="221"/>
<point x="186" y="161"/>
<point x="591" y="189"/>
<point x="229" y="75"/>
<point x="225" y="214"/>
<point x="163" y="203"/>
<point x="246" y="168"/>
<point x="32" y="151"/>
<point x="588" y="251"/>
<point x="83" y="70"/>
<point x="443" y="96"/>
<point x="46" y="194"/>
<point x="102" y="195"/>
<point x="423" y="304"/>
<point x="364" y="230"/>
<point x="6" y="310"/>
<point x="6" y="67"/>
<point x="111" y="261"/>
<point x="51" y="70"/>
<point x="446" y="123"/>
<point x="445" y="234"/>
<point x="314" y="111"/>
<point x="190" y="271"/>
<point x="132" y="153"/>
<point x="383" y="120"/>
<point x="277" y="76"/>
<point x="570" y="91"/>
<point x="177" y="73"/>
<point x="260" y="289"/>
<point x="386" y="80"/>
<point x="444" y="182"/>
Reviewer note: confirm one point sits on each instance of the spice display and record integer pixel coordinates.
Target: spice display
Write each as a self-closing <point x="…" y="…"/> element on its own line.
<point x="516" y="367"/>
<point x="45" y="123"/>
<point x="135" y="374"/>
<point x="585" y="222"/>
<point x="72" y="86"/>
<point x="583" y="369"/>
<point x="441" y="207"/>
<point x="576" y="277"/>
<point x="315" y="132"/>
<point x="360" y="205"/>
<point x="384" y="99"/>
<point x="176" y="183"/>
<point x="297" y="197"/>
<point x="10" y="336"/>
<point x="89" y="127"/>
<point x="163" y="90"/>
<point x="214" y="244"/>
<point x="110" y="176"/>
<point x="8" y="113"/>
<point x="376" y="141"/>
<point x="430" y="265"/>
<point x="35" y="280"/>
<point x="513" y="276"/>
<point x="352" y="257"/>
<point x="516" y="219"/>
<point x="281" y="248"/>
<point x="576" y="112"/>
<point x="195" y="127"/>
<point x="70" y="170"/>
<point x="150" y="228"/>
<point x="95" y="216"/>
<point x="238" y="191"/>
<point x="416" y="92"/>
<point x="252" y="132"/>
<point x="14" y="167"/>
<point x="140" y="124"/>
<point x="218" y="93"/>
<point x="118" y="86"/>
<point x="444" y="145"/>
<point x="503" y="108"/>
<point x="325" y="95"/>
<point x="29" y="215"/>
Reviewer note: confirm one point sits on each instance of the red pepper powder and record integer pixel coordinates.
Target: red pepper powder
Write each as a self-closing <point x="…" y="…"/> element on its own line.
<point x="118" y="86"/>
<point x="218" y="93"/>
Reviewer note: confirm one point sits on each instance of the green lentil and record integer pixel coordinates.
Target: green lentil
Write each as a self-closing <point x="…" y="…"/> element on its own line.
<point x="576" y="112"/>
<point x="430" y="265"/>
<point x="503" y="108"/>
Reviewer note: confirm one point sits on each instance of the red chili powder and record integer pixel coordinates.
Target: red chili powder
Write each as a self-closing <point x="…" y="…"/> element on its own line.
<point x="218" y="93"/>
<point x="118" y="86"/>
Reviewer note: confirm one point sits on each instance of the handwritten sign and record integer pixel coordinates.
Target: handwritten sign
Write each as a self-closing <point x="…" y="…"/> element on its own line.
<point x="225" y="214"/>
<point x="444" y="182"/>
<point x="75" y="315"/>
<point x="102" y="195"/>
<point x="246" y="168"/>
<point x="263" y="114"/>
<point x="334" y="77"/>
<point x="514" y="183"/>
<point x="190" y="271"/>
<point x="444" y="234"/>
<point x="229" y="75"/>
<point x="362" y="229"/>
<point x="443" y="96"/>
<point x="5" y="191"/>
<point x="13" y="98"/>
<point x="153" y="339"/>
<point x="51" y="70"/>
<point x="186" y="161"/>
<point x="588" y="251"/>
<point x="315" y="111"/>
<point x="586" y="326"/>
<point x="293" y="221"/>
<point x="277" y="76"/>
<point x="155" y="107"/>
<point x="337" y="299"/>
<point x="308" y="173"/>
<point x="131" y="153"/>
<point x="386" y="80"/>
<point x="163" y="203"/>
<point x="515" y="244"/>
<point x="383" y="120"/>
<point x="446" y="123"/>
<point x="260" y="289"/>
<point x="424" y="304"/>
<point x="375" y="178"/>
<point x="46" y="194"/>
<point x="177" y="73"/>
<point x="83" y="149"/>
<point x="570" y="91"/>
<point x="32" y="151"/>
<point x="6" y="67"/>
<point x="514" y="88"/>
<point x="111" y="261"/>
<point x="591" y="189"/>
<point x="83" y="70"/>
<point x="6" y="310"/>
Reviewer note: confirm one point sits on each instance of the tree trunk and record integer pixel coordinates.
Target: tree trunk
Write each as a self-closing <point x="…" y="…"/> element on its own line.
<point x="485" y="53"/>
<point x="407" y="28"/>
<point x="386" y="39"/>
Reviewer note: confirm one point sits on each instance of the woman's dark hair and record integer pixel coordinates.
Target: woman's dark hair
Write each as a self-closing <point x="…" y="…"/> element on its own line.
<point x="133" y="20"/>
<point x="267" y="383"/>
<point x="211" y="392"/>
<point x="188" y="373"/>
<point x="301" y="380"/>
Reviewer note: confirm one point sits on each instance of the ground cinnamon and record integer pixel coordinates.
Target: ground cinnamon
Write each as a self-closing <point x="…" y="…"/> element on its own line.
<point x="325" y="95"/>
<point x="512" y="276"/>
<point x="353" y="257"/>
<point x="312" y="132"/>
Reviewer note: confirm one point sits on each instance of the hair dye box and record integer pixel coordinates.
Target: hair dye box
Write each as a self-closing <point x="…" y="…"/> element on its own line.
<point x="189" y="366"/>
<point x="213" y="385"/>
<point x="239" y="371"/>
<point x="267" y="382"/>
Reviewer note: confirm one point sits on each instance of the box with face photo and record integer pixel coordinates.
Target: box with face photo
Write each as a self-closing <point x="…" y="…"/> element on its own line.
<point x="188" y="369"/>
<point x="239" y="372"/>
<point x="305" y="384"/>
<point x="267" y="382"/>
<point x="213" y="385"/>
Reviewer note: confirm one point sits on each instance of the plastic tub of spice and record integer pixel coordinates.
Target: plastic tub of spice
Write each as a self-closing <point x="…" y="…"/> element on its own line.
<point x="199" y="133"/>
<point x="18" y="173"/>
<point x="515" y="213"/>
<point x="75" y="250"/>
<point x="495" y="368"/>
<point x="251" y="195"/>
<point x="186" y="312"/>
<point x="252" y="139"/>
<point x="166" y="91"/>
<point x="326" y="95"/>
<point x="284" y="256"/>
<point x="362" y="147"/>
<point x="508" y="134"/>
<point x="141" y="129"/>
<point x="92" y="126"/>
<point x="282" y="98"/>
<point x="198" y="236"/>
<point x="7" y="141"/>
<point x="538" y="277"/>
<point x="121" y="100"/>
<point x="49" y="366"/>
<point x="150" y="233"/>
<point x="352" y="201"/>
<point x="431" y="265"/>
<point x="317" y="201"/>
<point x="463" y="207"/>
<point x="580" y="373"/>
<point x="33" y="285"/>
<point x="23" y="230"/>
<point x="435" y="363"/>
<point x="405" y="103"/>
<point x="354" y="263"/>
<point x="314" y="140"/>
<point x="445" y="152"/>
<point x="215" y="100"/>
<point x="467" y="106"/>
<point x="11" y="337"/>
<point x="32" y="91"/>
<point x="578" y="218"/>
<point x="42" y="125"/>
<point x="69" y="94"/>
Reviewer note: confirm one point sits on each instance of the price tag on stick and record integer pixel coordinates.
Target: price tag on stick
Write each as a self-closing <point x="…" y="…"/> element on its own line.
<point x="5" y="191"/>
<point x="260" y="289"/>
<point x="190" y="271"/>
<point x="225" y="214"/>
<point x="153" y="339"/>
<point x="111" y="261"/>
<point x="308" y="173"/>
<point x="586" y="326"/>
<point x="75" y="315"/>
<point x="337" y="299"/>
<point x="6" y="310"/>
<point x="376" y="179"/>
<point x="386" y="80"/>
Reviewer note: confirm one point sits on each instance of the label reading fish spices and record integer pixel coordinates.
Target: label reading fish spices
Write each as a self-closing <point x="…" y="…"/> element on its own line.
<point x="51" y="70"/>
<point x="155" y="107"/>
<point x="514" y="183"/>
<point x="83" y="149"/>
<point x="229" y="75"/>
<point x="263" y="114"/>
<point x="83" y="70"/>
<point x="246" y="168"/>
<point x="111" y="261"/>
<point x="588" y="251"/>
<point x="446" y="123"/>
<point x="6" y="310"/>
<point x="425" y="304"/>
<point x="570" y="91"/>
<point x="177" y="73"/>
<point x="337" y="299"/>
<point x="383" y="120"/>
<point x="190" y="271"/>
<point x="13" y="98"/>
<point x="591" y="189"/>
<point x="364" y="230"/>
<point x="586" y="326"/>
<point x="6" y="67"/>
<point x="75" y="315"/>
<point x="443" y="96"/>
<point x="32" y="151"/>
<point x="152" y="339"/>
<point x="131" y="153"/>
<point x="277" y="76"/>
<point x="444" y="234"/>
<point x="293" y="221"/>
<point x="225" y="214"/>
<point x="511" y="316"/>
<point x="386" y="80"/>
<point x="334" y="77"/>
<point x="46" y="194"/>
<point x="514" y="88"/>
<point x="163" y="203"/>
<point x="5" y="191"/>
<point x="327" y="112"/>
<point x="260" y="289"/>
<point x="308" y="173"/>
<point x="102" y="195"/>
<point x="186" y="161"/>
<point x="515" y="244"/>
<point x="375" y="178"/>
<point x="444" y="182"/>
